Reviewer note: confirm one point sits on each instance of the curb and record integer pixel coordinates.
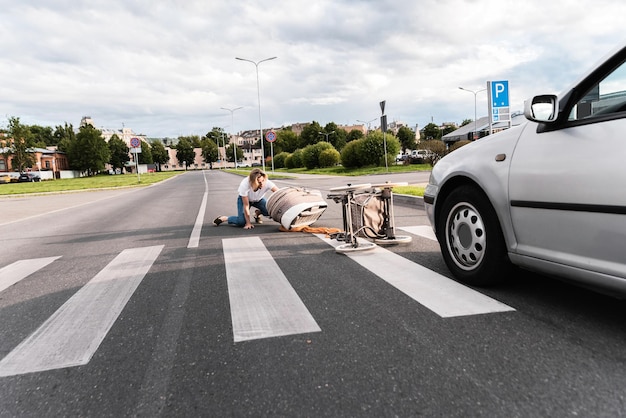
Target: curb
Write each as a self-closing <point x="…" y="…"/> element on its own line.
<point x="408" y="200"/>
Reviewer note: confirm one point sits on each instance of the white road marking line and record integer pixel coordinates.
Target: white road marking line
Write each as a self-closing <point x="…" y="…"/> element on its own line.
<point x="19" y="270"/>
<point x="421" y="230"/>
<point x="74" y="332"/>
<point x="263" y="303"/>
<point x="441" y="295"/>
<point x="194" y="239"/>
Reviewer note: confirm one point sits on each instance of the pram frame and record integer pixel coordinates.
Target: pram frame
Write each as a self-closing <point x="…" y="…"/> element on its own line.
<point x="346" y="196"/>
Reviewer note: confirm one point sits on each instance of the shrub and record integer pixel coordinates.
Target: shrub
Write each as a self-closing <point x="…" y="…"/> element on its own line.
<point x="349" y="154"/>
<point x="294" y="160"/>
<point x="329" y="158"/>
<point x="280" y="159"/>
<point x="311" y="154"/>
<point x="371" y="149"/>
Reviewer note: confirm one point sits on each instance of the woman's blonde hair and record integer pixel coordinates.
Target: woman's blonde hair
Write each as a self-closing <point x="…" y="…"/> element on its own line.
<point x="255" y="174"/>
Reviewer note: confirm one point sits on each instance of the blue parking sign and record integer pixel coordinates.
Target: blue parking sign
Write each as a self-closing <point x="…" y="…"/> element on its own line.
<point x="499" y="94"/>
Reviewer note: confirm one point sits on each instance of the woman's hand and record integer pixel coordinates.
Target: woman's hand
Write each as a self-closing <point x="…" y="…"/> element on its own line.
<point x="248" y="226"/>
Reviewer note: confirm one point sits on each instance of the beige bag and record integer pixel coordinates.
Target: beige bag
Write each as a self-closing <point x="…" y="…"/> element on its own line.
<point x="367" y="215"/>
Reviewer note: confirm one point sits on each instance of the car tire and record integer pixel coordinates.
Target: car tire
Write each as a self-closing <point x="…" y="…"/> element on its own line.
<point x="471" y="240"/>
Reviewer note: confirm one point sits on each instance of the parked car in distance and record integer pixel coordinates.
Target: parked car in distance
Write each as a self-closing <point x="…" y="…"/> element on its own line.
<point x="28" y="177"/>
<point x="5" y="178"/>
<point x="520" y="198"/>
<point x="421" y="156"/>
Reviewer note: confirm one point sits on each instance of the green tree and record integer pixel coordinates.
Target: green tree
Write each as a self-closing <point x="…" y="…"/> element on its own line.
<point x="230" y="154"/>
<point x="20" y="137"/>
<point x="119" y="153"/>
<point x="432" y="131"/>
<point x="159" y="154"/>
<point x="145" y="156"/>
<point x="184" y="151"/>
<point x="217" y="135"/>
<point x="339" y="137"/>
<point x="310" y="134"/>
<point x="354" y="135"/>
<point x="42" y="136"/>
<point x="287" y="140"/>
<point x="448" y="128"/>
<point x="89" y="152"/>
<point x="406" y="136"/>
<point x="210" y="152"/>
<point x="64" y="136"/>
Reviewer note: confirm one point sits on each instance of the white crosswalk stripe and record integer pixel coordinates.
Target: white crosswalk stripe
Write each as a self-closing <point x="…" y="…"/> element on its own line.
<point x="19" y="270"/>
<point x="263" y="303"/>
<point x="74" y="332"/>
<point x="421" y="230"/>
<point x="441" y="295"/>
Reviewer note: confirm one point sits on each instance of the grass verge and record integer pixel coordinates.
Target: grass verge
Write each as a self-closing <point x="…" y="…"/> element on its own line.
<point x="103" y="181"/>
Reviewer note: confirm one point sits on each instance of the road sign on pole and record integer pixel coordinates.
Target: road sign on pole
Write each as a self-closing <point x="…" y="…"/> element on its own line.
<point x="135" y="143"/>
<point x="499" y="110"/>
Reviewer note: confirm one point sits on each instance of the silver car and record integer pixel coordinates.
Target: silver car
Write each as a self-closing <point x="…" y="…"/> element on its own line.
<point x="548" y="195"/>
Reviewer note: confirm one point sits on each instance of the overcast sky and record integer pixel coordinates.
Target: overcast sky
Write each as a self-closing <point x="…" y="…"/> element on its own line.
<point x="166" y="68"/>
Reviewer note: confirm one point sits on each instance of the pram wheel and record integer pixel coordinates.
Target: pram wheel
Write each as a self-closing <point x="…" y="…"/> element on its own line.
<point x="398" y="239"/>
<point x="349" y="248"/>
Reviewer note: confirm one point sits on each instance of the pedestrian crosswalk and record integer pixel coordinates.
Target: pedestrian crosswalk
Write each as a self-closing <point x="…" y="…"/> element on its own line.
<point x="74" y="332"/>
<point x="21" y="269"/>
<point x="263" y="303"/>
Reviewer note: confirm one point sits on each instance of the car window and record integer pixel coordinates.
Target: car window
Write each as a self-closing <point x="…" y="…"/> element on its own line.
<point x="606" y="97"/>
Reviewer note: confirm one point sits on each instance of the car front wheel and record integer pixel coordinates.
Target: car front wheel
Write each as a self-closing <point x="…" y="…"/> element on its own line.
<point x="471" y="239"/>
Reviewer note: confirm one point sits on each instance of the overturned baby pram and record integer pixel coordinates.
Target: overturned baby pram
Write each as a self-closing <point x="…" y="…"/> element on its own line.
<point x="367" y="211"/>
<point x="295" y="207"/>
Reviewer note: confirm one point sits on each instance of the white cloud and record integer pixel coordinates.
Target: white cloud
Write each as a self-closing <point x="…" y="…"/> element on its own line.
<point x="165" y="68"/>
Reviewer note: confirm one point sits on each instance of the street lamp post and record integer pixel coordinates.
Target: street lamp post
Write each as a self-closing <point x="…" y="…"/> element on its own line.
<point x="258" y="89"/>
<point x="368" y="122"/>
<point x="326" y="134"/>
<point x="223" y="156"/>
<point x="232" y="129"/>
<point x="474" y="93"/>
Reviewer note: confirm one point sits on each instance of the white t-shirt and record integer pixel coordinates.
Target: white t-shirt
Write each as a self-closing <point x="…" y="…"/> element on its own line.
<point x="246" y="190"/>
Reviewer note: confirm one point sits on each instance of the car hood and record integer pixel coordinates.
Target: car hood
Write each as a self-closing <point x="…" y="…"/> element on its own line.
<point x="482" y="160"/>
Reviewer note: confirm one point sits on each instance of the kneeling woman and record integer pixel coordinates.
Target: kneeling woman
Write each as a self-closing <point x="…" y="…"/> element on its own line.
<point x="250" y="193"/>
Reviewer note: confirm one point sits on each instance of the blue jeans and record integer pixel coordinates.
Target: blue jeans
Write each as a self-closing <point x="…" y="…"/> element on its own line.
<point x="240" y="220"/>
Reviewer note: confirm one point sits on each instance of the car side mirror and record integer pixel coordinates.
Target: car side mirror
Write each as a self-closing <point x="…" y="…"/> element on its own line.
<point x="541" y="108"/>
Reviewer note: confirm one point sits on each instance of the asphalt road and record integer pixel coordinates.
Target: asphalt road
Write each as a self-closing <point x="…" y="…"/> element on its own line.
<point x="131" y="303"/>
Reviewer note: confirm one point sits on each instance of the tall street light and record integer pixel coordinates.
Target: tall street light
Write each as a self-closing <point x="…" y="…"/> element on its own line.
<point x="232" y="129"/>
<point x="326" y="135"/>
<point x="223" y="156"/>
<point x="474" y="93"/>
<point x="368" y="122"/>
<point x="258" y="89"/>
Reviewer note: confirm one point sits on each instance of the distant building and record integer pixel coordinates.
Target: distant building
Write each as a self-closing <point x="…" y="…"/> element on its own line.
<point x="125" y="134"/>
<point x="46" y="159"/>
